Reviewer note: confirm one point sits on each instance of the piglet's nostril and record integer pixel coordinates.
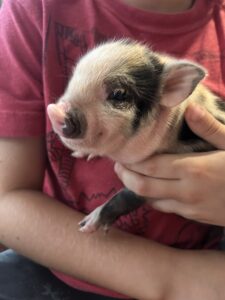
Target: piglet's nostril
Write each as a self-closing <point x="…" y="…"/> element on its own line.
<point x="74" y="124"/>
<point x="71" y="128"/>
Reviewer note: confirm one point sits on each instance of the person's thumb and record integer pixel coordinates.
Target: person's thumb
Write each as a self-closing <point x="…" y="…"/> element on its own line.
<point x="202" y="123"/>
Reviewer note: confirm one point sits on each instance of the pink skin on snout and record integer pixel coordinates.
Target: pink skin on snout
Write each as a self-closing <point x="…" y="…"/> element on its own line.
<point x="57" y="114"/>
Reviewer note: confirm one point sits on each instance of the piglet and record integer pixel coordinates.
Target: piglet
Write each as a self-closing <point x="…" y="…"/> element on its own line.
<point x="126" y="102"/>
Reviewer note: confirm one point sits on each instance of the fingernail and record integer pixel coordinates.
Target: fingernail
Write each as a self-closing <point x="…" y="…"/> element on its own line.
<point x="195" y="113"/>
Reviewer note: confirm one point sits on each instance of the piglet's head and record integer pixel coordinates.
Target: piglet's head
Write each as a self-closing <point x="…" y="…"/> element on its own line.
<point x="119" y="98"/>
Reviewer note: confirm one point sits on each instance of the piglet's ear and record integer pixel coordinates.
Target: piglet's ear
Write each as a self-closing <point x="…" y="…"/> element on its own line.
<point x="180" y="79"/>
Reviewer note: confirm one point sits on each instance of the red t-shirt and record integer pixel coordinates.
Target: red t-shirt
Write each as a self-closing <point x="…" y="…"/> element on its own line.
<point x="41" y="40"/>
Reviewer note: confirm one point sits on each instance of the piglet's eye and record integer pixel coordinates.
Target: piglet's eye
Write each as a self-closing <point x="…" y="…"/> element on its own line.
<point x="118" y="95"/>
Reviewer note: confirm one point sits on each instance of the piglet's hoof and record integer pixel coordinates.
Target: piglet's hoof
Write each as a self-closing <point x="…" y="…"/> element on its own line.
<point x="92" y="222"/>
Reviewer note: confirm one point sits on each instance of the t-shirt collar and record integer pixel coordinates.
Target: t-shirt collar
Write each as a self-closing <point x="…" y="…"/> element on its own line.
<point x="168" y="23"/>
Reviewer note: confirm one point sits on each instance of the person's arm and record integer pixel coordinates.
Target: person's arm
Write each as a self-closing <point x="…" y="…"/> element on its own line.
<point x="46" y="231"/>
<point x="191" y="185"/>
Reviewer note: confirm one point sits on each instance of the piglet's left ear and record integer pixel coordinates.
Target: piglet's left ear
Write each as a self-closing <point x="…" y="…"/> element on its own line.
<point x="179" y="80"/>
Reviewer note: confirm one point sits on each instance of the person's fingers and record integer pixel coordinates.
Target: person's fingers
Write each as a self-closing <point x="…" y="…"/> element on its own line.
<point x="148" y="186"/>
<point x="171" y="166"/>
<point x="205" y="125"/>
<point x="173" y="206"/>
<point x="160" y="166"/>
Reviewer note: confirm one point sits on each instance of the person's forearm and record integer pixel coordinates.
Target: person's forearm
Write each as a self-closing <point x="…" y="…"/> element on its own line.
<point x="47" y="232"/>
<point x="198" y="275"/>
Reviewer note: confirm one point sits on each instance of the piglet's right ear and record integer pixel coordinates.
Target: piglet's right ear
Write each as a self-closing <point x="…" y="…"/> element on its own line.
<point x="180" y="78"/>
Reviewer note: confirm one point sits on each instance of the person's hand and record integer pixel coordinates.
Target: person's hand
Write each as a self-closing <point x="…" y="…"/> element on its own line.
<point x="191" y="185"/>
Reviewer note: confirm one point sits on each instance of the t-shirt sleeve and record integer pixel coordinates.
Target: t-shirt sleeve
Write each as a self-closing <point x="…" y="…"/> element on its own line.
<point x="22" y="111"/>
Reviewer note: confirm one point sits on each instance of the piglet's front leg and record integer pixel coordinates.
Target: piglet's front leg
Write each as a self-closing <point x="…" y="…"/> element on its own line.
<point x="105" y="215"/>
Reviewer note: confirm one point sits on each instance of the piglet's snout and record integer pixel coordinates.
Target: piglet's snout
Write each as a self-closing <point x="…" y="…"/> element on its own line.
<point x="75" y="124"/>
<point x="66" y="121"/>
<point x="56" y="113"/>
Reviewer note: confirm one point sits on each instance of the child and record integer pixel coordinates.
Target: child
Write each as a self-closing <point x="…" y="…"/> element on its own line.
<point x="40" y="43"/>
